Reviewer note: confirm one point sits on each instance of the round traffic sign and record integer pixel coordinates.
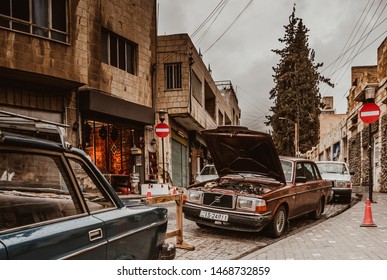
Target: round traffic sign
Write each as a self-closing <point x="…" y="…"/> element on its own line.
<point x="369" y="113"/>
<point x="162" y="130"/>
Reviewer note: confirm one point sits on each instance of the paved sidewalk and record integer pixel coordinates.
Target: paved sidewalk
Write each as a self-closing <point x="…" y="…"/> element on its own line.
<point x="338" y="238"/>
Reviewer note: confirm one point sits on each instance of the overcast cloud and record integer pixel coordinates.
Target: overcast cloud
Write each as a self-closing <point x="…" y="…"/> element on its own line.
<point x="243" y="54"/>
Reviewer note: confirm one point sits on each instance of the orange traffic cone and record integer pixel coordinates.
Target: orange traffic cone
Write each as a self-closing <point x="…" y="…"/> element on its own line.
<point x="149" y="193"/>
<point x="367" y="221"/>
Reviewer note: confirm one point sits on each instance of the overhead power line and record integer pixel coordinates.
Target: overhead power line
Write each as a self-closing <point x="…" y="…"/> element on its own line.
<point x="213" y="21"/>
<point x="343" y="52"/>
<point x="352" y="50"/>
<point x="228" y="28"/>
<point x="220" y="7"/>
<point x="350" y="60"/>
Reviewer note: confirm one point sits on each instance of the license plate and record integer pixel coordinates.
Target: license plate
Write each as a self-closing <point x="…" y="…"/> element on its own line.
<point x="214" y="216"/>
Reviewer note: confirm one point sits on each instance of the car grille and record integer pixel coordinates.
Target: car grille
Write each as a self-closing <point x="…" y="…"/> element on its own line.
<point x="219" y="200"/>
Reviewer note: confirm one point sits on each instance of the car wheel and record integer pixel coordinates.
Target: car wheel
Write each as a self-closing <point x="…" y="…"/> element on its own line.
<point x="319" y="210"/>
<point x="278" y="224"/>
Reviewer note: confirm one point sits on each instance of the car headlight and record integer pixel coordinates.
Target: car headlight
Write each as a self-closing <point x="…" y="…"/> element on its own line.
<point x="343" y="184"/>
<point x="194" y="196"/>
<point x="251" y="204"/>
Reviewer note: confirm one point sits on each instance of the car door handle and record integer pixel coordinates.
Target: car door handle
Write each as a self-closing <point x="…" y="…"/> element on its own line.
<point x="95" y="234"/>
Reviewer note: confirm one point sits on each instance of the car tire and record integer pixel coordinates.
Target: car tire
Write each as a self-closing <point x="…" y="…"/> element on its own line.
<point x="316" y="214"/>
<point x="278" y="225"/>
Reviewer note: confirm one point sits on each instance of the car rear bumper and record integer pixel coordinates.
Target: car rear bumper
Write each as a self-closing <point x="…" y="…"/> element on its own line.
<point x="248" y="222"/>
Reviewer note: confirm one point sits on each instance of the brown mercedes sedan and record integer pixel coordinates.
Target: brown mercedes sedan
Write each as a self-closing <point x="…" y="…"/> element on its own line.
<point x="256" y="188"/>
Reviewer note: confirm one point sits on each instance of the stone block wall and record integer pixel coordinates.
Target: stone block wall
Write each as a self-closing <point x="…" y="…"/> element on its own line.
<point x="44" y="56"/>
<point x="134" y="20"/>
<point x="178" y="48"/>
<point x="354" y="158"/>
<point x="79" y="60"/>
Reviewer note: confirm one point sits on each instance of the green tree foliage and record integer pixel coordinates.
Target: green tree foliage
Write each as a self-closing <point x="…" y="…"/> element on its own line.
<point x="296" y="93"/>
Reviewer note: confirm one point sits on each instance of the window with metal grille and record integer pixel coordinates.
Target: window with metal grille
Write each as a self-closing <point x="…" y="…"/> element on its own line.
<point x="118" y="51"/>
<point x="44" y="18"/>
<point x="173" y="75"/>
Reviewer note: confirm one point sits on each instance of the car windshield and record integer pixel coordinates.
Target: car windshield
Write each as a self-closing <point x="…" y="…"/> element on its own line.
<point x="287" y="169"/>
<point x="208" y="170"/>
<point x="338" y="168"/>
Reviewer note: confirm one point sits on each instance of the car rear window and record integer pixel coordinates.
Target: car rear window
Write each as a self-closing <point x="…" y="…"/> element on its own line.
<point x="34" y="188"/>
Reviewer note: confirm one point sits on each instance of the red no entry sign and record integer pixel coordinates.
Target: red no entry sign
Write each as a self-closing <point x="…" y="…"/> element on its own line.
<point x="369" y="113"/>
<point x="162" y="130"/>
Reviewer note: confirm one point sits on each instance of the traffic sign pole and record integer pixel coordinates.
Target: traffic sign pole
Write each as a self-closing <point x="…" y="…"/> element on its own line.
<point x="370" y="113"/>
<point x="162" y="150"/>
<point x="162" y="130"/>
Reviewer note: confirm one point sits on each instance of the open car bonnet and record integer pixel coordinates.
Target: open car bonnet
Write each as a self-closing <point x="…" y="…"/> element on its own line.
<point x="236" y="149"/>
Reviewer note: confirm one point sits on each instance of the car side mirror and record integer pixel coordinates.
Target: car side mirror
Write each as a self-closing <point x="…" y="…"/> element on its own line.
<point x="300" y="179"/>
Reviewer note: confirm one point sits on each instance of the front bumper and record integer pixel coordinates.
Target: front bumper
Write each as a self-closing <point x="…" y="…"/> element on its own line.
<point x="238" y="221"/>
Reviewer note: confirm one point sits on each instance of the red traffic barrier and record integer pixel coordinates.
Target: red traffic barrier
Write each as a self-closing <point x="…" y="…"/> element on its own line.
<point x="149" y="193"/>
<point x="367" y="221"/>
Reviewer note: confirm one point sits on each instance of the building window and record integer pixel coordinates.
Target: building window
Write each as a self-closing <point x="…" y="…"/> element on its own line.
<point x="118" y="51"/>
<point x="44" y="18"/>
<point x="173" y="76"/>
<point x="196" y="88"/>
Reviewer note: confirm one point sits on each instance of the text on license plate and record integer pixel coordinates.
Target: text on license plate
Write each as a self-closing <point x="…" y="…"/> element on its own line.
<point x="214" y="216"/>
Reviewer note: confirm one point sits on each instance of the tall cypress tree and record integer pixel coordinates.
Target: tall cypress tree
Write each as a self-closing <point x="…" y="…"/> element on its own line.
<point x="296" y="93"/>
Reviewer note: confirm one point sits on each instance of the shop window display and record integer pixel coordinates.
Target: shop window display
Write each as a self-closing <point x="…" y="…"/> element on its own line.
<point x="110" y="147"/>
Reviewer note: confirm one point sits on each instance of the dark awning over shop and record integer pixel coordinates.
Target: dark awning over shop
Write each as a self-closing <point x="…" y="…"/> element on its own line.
<point x="99" y="105"/>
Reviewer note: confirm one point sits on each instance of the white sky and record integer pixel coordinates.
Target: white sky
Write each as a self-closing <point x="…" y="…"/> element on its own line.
<point x="251" y="29"/>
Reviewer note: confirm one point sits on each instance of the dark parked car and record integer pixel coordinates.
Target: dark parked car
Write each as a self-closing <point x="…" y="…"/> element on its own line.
<point x="256" y="188"/>
<point x="55" y="204"/>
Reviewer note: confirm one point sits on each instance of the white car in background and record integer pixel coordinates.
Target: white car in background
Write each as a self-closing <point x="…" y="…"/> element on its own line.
<point x="207" y="173"/>
<point x="338" y="173"/>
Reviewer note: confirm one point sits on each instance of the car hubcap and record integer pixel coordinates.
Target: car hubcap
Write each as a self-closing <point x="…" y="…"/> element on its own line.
<point x="280" y="221"/>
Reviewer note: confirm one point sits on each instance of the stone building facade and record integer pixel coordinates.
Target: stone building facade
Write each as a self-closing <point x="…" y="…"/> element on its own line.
<point x="193" y="102"/>
<point x="360" y="141"/>
<point x="90" y="65"/>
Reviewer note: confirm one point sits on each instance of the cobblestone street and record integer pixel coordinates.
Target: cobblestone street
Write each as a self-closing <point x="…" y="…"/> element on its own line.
<point x="216" y="244"/>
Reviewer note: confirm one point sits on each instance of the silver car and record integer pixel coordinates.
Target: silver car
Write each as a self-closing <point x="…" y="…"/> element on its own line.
<point x="338" y="173"/>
